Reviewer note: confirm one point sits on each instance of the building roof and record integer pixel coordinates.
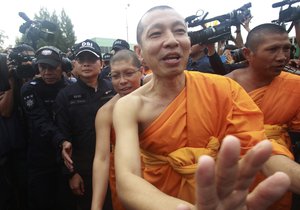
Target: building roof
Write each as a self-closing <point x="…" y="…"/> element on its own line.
<point x="106" y="44"/>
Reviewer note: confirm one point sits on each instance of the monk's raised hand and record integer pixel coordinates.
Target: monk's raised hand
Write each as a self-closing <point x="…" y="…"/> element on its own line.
<point x="224" y="185"/>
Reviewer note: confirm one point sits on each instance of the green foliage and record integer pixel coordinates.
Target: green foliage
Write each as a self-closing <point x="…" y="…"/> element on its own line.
<point x="64" y="36"/>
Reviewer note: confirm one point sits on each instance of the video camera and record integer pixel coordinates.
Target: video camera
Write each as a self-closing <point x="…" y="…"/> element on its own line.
<point x="35" y="30"/>
<point x="16" y="58"/>
<point x="11" y="68"/>
<point x="17" y="64"/>
<point x="219" y="32"/>
<point x="289" y="14"/>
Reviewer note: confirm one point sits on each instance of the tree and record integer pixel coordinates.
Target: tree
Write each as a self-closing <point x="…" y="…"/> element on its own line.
<point x="2" y="38"/>
<point x="51" y="30"/>
<point x="67" y="32"/>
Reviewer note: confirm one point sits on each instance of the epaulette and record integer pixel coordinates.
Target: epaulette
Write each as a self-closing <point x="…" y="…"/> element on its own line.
<point x="33" y="83"/>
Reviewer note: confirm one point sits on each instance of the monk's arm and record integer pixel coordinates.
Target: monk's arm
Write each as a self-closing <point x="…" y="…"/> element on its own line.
<point x="101" y="160"/>
<point x="134" y="191"/>
<point x="286" y="165"/>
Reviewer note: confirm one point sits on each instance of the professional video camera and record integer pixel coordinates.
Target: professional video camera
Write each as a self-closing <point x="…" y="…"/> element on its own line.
<point x="11" y="67"/>
<point x="16" y="58"/>
<point x="219" y="32"/>
<point x="287" y="15"/>
<point x="35" y="30"/>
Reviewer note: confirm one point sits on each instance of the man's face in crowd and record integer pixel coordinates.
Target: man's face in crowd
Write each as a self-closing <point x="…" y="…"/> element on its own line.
<point x="165" y="44"/>
<point x="50" y="74"/>
<point x="271" y="54"/>
<point x="89" y="65"/>
<point x="125" y="77"/>
<point x="197" y="49"/>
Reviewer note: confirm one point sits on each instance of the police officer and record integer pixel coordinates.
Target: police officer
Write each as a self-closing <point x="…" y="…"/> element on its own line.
<point x="105" y="67"/>
<point x="76" y="107"/>
<point x="37" y="97"/>
<point x="119" y="44"/>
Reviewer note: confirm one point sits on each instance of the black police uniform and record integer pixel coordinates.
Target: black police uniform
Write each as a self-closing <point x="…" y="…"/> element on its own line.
<point x="76" y="107"/>
<point x="44" y="173"/>
<point x="105" y="73"/>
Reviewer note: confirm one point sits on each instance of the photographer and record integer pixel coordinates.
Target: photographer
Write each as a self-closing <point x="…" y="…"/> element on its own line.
<point x="209" y="35"/>
<point x="5" y="95"/>
<point x="198" y="59"/>
<point x="18" y="69"/>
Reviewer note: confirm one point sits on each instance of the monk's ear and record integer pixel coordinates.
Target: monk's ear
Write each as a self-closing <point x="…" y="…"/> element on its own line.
<point x="247" y="53"/>
<point x="138" y="51"/>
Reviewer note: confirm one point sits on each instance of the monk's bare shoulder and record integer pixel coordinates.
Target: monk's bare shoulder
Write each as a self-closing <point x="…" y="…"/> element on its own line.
<point x="237" y="74"/>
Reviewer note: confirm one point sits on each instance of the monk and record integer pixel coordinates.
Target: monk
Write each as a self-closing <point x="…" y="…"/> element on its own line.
<point x="275" y="92"/>
<point x="126" y="77"/>
<point x="180" y="121"/>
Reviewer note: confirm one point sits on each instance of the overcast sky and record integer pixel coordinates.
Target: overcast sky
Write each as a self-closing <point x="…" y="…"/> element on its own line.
<point x="107" y="19"/>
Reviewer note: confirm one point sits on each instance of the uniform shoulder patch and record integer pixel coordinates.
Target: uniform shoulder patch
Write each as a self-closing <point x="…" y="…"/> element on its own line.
<point x="33" y="82"/>
<point x="29" y="101"/>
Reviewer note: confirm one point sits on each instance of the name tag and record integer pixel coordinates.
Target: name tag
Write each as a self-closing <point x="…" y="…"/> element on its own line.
<point x="77" y="99"/>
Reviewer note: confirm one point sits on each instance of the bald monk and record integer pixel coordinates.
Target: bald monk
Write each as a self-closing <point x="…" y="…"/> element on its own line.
<point x="126" y="77"/>
<point x="178" y="121"/>
<point x="275" y="92"/>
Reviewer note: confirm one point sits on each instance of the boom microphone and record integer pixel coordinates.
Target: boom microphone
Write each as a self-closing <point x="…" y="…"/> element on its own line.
<point x="282" y="3"/>
<point x="24" y="16"/>
<point x="278" y="4"/>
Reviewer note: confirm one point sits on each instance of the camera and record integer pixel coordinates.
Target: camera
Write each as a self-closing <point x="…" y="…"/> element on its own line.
<point x="35" y="30"/>
<point x="20" y="61"/>
<point x="289" y="14"/>
<point x="218" y="32"/>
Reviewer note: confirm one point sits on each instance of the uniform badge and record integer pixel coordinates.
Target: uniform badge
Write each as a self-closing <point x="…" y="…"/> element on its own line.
<point x="29" y="101"/>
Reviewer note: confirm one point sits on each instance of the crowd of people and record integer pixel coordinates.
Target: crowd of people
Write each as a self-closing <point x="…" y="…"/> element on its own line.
<point x="165" y="125"/>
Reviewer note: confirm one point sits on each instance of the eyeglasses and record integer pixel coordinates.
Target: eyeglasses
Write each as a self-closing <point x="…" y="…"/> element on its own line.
<point x="126" y="75"/>
<point x="27" y="58"/>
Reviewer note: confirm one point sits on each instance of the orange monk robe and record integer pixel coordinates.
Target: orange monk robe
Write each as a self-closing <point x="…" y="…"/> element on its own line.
<point x="147" y="71"/>
<point x="117" y="205"/>
<point x="207" y="109"/>
<point x="280" y="104"/>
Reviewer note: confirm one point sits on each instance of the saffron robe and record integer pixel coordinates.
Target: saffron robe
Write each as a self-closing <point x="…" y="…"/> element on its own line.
<point x="280" y="104"/>
<point x="117" y="205"/>
<point x="195" y="123"/>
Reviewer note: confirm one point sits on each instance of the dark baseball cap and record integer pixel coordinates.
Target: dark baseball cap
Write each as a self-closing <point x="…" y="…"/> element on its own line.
<point x="88" y="46"/>
<point x="48" y="55"/>
<point x="120" y="44"/>
<point x="107" y="56"/>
